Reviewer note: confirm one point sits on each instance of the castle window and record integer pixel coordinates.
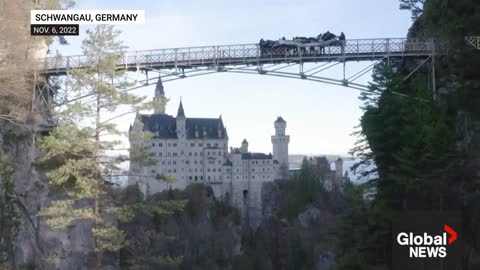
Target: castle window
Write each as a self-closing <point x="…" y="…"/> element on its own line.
<point x="174" y="154"/>
<point x="201" y="177"/>
<point x="160" y="144"/>
<point x="190" y="177"/>
<point x="174" y="170"/>
<point x="214" y="170"/>
<point x="192" y="145"/>
<point x="209" y="177"/>
<point x="200" y="144"/>
<point x="174" y="145"/>
<point x="195" y="153"/>
<point x="253" y="169"/>
<point x="195" y="169"/>
<point x="195" y="162"/>
<point x="163" y="162"/>
<point x="190" y="153"/>
<point x="169" y="171"/>
<point x="219" y="162"/>
<point x="169" y="162"/>
<point x="153" y="144"/>
<point x="208" y="153"/>
<point x="237" y="177"/>
<point x="208" y="145"/>
<point x="216" y="144"/>
<point x="160" y="154"/>
<point x="219" y="169"/>
<point x="208" y="170"/>
<point x="174" y="162"/>
<point x="152" y="171"/>
<point x="253" y="176"/>
<point x="196" y="178"/>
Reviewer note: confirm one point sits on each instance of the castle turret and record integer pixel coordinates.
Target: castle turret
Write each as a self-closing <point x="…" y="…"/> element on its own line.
<point x="244" y="148"/>
<point x="339" y="170"/>
<point x="159" y="99"/>
<point x="280" y="147"/>
<point x="181" y="122"/>
<point x="220" y="128"/>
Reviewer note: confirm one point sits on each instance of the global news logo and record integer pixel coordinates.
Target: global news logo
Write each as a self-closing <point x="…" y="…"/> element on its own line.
<point x="428" y="246"/>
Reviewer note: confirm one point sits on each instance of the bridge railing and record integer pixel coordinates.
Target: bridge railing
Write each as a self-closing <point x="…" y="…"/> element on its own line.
<point x="245" y="53"/>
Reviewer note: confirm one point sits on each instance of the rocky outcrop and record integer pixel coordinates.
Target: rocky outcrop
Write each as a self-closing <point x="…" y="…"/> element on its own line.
<point x="38" y="246"/>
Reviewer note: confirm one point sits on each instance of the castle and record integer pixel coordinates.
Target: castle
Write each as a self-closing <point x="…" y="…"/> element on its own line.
<point x="195" y="150"/>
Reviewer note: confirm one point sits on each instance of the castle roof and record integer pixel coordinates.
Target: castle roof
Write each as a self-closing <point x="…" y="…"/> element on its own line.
<point x="256" y="156"/>
<point x="228" y="163"/>
<point x="280" y="120"/>
<point x="181" y="112"/>
<point x="159" y="92"/>
<point x="244" y="141"/>
<point x="164" y="126"/>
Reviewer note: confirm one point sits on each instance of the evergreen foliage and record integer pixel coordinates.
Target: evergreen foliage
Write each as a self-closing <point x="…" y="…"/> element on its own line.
<point x="307" y="189"/>
<point x="415" y="6"/>
<point x="9" y="222"/>
<point x="80" y="154"/>
<point x="424" y="161"/>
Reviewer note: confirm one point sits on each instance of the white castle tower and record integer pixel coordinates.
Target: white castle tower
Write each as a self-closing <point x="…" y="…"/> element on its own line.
<point x="280" y="147"/>
<point x="244" y="147"/>
<point x="339" y="171"/>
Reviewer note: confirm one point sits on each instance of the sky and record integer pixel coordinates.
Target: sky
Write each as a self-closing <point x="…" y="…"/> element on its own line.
<point x="320" y="117"/>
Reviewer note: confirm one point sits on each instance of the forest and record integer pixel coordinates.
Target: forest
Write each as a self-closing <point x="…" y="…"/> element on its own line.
<point x="60" y="204"/>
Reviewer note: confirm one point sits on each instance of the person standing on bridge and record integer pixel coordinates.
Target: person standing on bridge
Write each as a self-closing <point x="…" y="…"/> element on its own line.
<point x="342" y="41"/>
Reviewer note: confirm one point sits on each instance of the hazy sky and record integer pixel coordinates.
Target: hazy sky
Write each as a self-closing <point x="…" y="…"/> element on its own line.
<point x="320" y="117"/>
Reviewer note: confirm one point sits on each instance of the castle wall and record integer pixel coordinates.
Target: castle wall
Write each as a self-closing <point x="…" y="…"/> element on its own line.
<point x="238" y="176"/>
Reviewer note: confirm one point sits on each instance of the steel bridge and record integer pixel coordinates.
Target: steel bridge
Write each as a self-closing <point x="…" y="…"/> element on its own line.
<point x="304" y="62"/>
<point x="178" y="63"/>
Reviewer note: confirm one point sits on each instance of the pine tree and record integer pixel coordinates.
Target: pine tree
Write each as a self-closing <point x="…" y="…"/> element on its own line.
<point x="80" y="154"/>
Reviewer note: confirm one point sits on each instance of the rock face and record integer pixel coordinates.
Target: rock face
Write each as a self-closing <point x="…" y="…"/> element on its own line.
<point x="309" y="217"/>
<point x="37" y="246"/>
<point x="206" y="234"/>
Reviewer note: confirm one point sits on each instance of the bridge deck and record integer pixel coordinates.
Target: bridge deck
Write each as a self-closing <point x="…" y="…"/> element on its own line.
<point x="250" y="54"/>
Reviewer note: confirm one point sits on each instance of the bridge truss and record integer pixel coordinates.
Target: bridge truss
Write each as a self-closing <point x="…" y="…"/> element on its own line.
<point x="306" y="63"/>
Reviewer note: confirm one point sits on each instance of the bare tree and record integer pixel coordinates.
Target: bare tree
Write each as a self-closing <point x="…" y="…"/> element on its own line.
<point x="19" y="52"/>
